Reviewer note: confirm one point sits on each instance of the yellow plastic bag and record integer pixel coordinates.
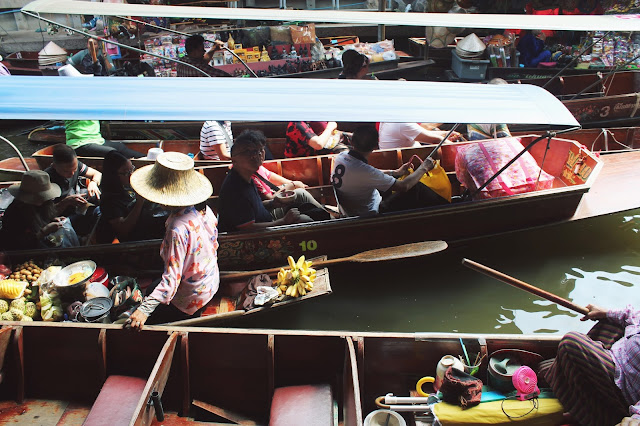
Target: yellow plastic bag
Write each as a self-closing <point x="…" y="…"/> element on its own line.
<point x="437" y="180"/>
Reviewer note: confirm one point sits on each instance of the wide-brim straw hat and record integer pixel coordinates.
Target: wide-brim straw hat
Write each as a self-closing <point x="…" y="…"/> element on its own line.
<point x="35" y="188"/>
<point x="172" y="181"/>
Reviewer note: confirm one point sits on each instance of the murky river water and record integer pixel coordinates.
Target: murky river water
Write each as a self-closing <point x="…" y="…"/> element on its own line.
<point x="590" y="261"/>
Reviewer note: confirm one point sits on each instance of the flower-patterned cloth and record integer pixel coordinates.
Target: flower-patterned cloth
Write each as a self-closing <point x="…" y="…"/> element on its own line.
<point x="189" y="250"/>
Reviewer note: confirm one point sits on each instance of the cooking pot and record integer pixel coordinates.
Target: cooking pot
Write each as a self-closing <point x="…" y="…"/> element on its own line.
<point x="76" y="291"/>
<point x="505" y="362"/>
<point x="96" y="310"/>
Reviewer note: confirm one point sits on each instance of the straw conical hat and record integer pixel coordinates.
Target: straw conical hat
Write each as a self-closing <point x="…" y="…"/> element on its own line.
<point x="52" y="49"/>
<point x="471" y="44"/>
<point x="172" y="181"/>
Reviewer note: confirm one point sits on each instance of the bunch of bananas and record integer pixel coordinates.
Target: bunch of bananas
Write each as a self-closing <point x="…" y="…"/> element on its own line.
<point x="298" y="280"/>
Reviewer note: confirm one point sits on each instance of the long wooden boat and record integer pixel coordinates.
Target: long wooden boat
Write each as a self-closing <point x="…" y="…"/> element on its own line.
<point x="335" y="375"/>
<point x="12" y="168"/>
<point x="457" y="221"/>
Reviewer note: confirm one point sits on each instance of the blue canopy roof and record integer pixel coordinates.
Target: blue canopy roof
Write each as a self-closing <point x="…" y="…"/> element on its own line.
<point x="251" y="99"/>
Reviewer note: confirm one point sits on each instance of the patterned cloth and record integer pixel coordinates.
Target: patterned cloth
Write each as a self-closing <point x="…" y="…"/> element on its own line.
<point x="297" y="144"/>
<point x="487" y="131"/>
<point x="595" y="376"/>
<point x="186" y="71"/>
<point x="189" y="251"/>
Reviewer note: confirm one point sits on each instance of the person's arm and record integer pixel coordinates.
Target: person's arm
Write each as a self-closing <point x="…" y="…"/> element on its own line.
<point x="318" y="142"/>
<point x="410" y="181"/>
<point x="70" y="201"/>
<point x="622" y="317"/>
<point x="285" y="183"/>
<point x="633" y="420"/>
<point x="166" y="290"/>
<point x="124" y="225"/>
<point x="50" y="227"/>
<point x="217" y="45"/>
<point x="221" y="150"/>
<point x="96" y="178"/>
<point x="435" y="136"/>
<point x="292" y="216"/>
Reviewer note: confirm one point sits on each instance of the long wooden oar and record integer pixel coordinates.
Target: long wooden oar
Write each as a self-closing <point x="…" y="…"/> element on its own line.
<point x="404" y="251"/>
<point x="524" y="286"/>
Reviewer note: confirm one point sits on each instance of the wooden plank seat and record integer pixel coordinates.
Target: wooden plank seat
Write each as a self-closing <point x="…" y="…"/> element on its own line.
<point x="310" y="405"/>
<point x="117" y="402"/>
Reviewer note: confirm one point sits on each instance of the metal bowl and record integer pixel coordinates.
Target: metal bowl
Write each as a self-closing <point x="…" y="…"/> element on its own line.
<point x="76" y="291"/>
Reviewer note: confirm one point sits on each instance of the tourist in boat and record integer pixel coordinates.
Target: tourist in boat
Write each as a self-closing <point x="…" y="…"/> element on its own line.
<point x="532" y="49"/>
<point x="488" y="131"/>
<point x="406" y="135"/>
<point x="216" y="139"/>
<point x="33" y="220"/>
<point x="355" y="66"/>
<point x="595" y="375"/>
<point x="124" y="215"/>
<point x="92" y="60"/>
<point x="189" y="250"/>
<point x="359" y="186"/>
<point x="198" y="58"/>
<point x="305" y="138"/>
<point x="241" y="207"/>
<point x="76" y="201"/>
<point x="85" y="138"/>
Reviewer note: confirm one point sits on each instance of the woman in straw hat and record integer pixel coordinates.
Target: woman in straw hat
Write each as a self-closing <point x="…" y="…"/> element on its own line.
<point x="31" y="220"/>
<point x="190" y="245"/>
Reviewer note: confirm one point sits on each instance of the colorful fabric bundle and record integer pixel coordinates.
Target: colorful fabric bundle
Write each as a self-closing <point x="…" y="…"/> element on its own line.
<point x="477" y="163"/>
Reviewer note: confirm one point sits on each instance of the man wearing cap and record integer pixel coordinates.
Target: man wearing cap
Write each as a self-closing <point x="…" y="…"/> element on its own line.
<point x="32" y="220"/>
<point x="190" y="245"/>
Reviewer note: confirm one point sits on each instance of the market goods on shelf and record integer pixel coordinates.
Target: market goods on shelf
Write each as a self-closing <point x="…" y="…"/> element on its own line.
<point x="27" y="271"/>
<point x="298" y="279"/>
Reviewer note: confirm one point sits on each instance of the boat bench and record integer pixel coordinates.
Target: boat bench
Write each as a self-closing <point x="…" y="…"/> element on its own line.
<point x="116" y="404"/>
<point x="309" y="405"/>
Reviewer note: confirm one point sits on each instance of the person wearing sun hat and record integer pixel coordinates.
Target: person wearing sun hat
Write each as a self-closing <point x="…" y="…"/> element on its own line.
<point x="189" y="250"/>
<point x="32" y="216"/>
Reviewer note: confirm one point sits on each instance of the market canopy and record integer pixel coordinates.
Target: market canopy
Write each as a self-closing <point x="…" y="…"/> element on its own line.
<point x="459" y="20"/>
<point x="282" y="99"/>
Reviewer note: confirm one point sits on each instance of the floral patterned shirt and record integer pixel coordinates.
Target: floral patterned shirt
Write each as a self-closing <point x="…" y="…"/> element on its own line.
<point x="189" y="250"/>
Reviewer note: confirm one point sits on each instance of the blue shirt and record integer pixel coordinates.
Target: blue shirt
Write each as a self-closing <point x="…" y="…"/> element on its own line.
<point x="240" y="204"/>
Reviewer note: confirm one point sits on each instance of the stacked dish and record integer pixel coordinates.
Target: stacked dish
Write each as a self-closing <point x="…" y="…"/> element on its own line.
<point x="470" y="47"/>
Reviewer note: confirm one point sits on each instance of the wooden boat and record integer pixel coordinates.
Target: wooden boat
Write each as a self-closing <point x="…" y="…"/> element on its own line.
<point x="253" y="371"/>
<point x="12" y="168"/>
<point x="612" y="101"/>
<point x="452" y="222"/>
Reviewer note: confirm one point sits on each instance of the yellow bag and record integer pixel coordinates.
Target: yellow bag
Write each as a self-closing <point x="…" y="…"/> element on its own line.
<point x="437" y="180"/>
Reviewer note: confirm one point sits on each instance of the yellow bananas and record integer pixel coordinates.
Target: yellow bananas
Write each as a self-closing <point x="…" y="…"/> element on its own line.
<point x="298" y="280"/>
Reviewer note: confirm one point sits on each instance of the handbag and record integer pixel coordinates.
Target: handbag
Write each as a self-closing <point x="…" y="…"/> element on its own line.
<point x="436" y="179"/>
<point x="461" y="388"/>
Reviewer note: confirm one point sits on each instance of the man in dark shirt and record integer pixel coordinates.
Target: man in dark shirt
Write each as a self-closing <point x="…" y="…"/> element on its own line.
<point x="241" y="207"/>
<point x="65" y="171"/>
<point x="196" y="56"/>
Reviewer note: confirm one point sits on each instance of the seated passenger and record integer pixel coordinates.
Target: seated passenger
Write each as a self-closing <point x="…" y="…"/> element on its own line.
<point x="355" y="66"/>
<point x="359" y="186"/>
<point x="305" y="138"/>
<point x="270" y="183"/>
<point x="241" y="207"/>
<point x="85" y="138"/>
<point x="32" y="220"/>
<point x="216" y="140"/>
<point x="74" y="199"/>
<point x="125" y="215"/>
<point x="488" y="131"/>
<point x="407" y="135"/>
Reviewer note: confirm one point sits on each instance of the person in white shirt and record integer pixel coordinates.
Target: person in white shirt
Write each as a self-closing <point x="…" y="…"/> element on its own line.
<point x="216" y="140"/>
<point x="359" y="185"/>
<point x="406" y="135"/>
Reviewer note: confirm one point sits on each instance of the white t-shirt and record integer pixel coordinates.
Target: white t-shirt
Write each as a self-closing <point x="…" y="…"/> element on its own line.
<point x="212" y="133"/>
<point x="358" y="185"/>
<point x="399" y="135"/>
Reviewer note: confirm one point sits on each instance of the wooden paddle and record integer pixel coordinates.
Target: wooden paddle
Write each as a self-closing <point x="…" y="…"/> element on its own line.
<point x="404" y="251"/>
<point x="524" y="286"/>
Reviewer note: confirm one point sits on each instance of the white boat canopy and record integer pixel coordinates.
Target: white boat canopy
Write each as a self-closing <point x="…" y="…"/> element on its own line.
<point x="133" y="98"/>
<point x="460" y="20"/>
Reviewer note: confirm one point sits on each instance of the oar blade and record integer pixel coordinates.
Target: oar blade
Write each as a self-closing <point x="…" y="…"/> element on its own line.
<point x="404" y="251"/>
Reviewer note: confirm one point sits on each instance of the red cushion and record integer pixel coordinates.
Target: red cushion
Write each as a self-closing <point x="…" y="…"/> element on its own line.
<point x="309" y="405"/>
<point x="116" y="402"/>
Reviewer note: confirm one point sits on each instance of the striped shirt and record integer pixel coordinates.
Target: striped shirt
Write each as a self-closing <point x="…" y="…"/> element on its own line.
<point x="187" y="71"/>
<point x="626" y="356"/>
<point x="213" y="133"/>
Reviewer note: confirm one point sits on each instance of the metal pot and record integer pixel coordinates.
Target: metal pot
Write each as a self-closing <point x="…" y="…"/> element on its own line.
<point x="97" y="309"/>
<point x="503" y="363"/>
<point x="72" y="292"/>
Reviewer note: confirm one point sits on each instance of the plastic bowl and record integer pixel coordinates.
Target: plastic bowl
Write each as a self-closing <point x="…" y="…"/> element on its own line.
<point x="286" y="196"/>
